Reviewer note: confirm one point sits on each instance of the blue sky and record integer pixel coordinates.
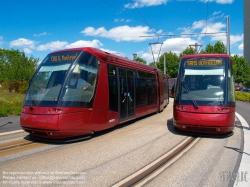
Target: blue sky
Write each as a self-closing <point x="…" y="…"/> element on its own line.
<point x="117" y="26"/>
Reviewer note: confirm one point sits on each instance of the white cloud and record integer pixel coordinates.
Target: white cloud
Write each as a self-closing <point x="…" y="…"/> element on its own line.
<point x="27" y="50"/>
<point x="199" y="24"/>
<point x="148" y="57"/>
<point x="122" y="20"/>
<point x="234" y="39"/>
<point x="209" y="27"/>
<point x="217" y="29"/>
<point x="219" y="32"/>
<point x="22" y="42"/>
<point x="113" y="52"/>
<point x="121" y="33"/>
<point x="41" y="34"/>
<point x="145" y="3"/>
<point x="219" y="1"/>
<point x="176" y="45"/>
<point x="241" y="47"/>
<point x="216" y="13"/>
<point x="82" y="43"/>
<point x="55" y="45"/>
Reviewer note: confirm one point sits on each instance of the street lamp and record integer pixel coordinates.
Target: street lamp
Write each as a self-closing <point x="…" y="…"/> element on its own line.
<point x="135" y="56"/>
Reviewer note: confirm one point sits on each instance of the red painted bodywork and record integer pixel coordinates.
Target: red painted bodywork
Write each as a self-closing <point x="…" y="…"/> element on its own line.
<point x="62" y="122"/>
<point x="205" y="119"/>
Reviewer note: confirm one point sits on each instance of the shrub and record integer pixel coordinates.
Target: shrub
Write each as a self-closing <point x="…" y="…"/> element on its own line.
<point x="15" y="86"/>
<point x="242" y="96"/>
<point x="10" y="103"/>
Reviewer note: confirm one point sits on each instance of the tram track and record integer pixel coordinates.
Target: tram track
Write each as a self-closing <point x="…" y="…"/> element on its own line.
<point x="17" y="146"/>
<point x="153" y="169"/>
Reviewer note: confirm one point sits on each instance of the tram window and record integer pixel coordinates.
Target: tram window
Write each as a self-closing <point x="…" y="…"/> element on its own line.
<point x="130" y="73"/>
<point x="136" y="73"/>
<point x="122" y="72"/>
<point x="113" y="88"/>
<point x="150" y="76"/>
<point x="145" y="89"/>
<point x="111" y="69"/>
<point x="141" y="92"/>
<point x="165" y="89"/>
<point x="231" y="88"/>
<point x="151" y="91"/>
<point x="143" y="74"/>
<point x="82" y="81"/>
<point x="113" y="93"/>
<point x="59" y="77"/>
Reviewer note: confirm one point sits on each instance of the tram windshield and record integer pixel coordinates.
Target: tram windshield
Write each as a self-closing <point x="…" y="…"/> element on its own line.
<point x="205" y="81"/>
<point x="64" y="79"/>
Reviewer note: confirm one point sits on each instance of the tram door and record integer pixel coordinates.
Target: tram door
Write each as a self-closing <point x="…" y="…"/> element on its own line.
<point x="126" y="94"/>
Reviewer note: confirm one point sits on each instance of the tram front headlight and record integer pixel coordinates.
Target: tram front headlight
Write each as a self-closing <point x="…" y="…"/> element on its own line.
<point x="223" y="109"/>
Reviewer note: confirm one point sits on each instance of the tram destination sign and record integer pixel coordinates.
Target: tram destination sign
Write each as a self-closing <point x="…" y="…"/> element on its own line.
<point x="62" y="57"/>
<point x="205" y="62"/>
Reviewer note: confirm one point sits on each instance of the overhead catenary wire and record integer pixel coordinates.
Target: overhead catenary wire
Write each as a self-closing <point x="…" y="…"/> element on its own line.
<point x="141" y="20"/>
<point x="187" y="34"/>
<point x="206" y="22"/>
<point x="117" y="8"/>
<point x="157" y="35"/>
<point x="160" y="35"/>
<point x="152" y="30"/>
<point x="143" y="17"/>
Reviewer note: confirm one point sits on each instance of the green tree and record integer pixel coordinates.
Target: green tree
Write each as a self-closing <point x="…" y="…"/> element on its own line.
<point x="218" y="47"/>
<point x="138" y="59"/>
<point x="209" y="49"/>
<point x="153" y="64"/>
<point x="15" y="66"/>
<point x="172" y="63"/>
<point x="241" y="69"/>
<point x="187" y="51"/>
<point x="16" y="69"/>
<point x="240" y="65"/>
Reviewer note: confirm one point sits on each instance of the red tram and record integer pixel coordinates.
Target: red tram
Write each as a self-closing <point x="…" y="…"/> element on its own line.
<point x="80" y="91"/>
<point x="204" y="99"/>
<point x="171" y="83"/>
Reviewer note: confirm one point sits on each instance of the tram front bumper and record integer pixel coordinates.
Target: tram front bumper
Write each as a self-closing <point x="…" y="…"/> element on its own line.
<point x="209" y="123"/>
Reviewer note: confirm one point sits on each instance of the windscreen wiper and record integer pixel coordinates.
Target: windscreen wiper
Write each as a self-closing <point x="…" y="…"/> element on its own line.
<point x="31" y="104"/>
<point x="190" y="95"/>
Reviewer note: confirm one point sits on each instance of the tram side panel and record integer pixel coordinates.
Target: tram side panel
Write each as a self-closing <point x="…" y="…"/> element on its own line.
<point x="101" y="117"/>
<point x="163" y="98"/>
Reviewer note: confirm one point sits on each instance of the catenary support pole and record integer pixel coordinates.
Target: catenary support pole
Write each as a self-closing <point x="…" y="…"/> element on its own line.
<point x="228" y="35"/>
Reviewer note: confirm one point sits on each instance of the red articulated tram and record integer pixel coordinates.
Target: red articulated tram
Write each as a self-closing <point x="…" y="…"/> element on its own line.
<point x="80" y="91"/>
<point x="171" y="83"/>
<point x="204" y="99"/>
